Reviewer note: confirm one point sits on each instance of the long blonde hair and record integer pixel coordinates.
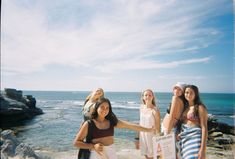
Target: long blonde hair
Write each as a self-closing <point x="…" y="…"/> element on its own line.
<point x="90" y="95"/>
<point x="154" y="99"/>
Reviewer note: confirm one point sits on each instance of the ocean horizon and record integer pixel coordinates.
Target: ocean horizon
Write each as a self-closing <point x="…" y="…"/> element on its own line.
<point x="56" y="128"/>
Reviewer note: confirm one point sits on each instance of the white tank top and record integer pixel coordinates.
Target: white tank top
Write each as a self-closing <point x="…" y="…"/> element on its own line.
<point x="146" y="117"/>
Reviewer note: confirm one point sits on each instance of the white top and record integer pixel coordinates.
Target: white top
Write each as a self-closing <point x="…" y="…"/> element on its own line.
<point x="146" y="120"/>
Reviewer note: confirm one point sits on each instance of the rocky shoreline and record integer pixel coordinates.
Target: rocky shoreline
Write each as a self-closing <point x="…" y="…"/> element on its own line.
<point x="219" y="145"/>
<point x="221" y="140"/>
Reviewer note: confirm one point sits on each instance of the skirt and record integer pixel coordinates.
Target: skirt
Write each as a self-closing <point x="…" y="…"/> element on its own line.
<point x="190" y="141"/>
<point x="109" y="152"/>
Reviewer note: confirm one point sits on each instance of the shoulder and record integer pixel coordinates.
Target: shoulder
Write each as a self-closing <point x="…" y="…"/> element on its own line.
<point x="84" y="126"/>
<point x="176" y="99"/>
<point x="202" y="108"/>
<point x="155" y="110"/>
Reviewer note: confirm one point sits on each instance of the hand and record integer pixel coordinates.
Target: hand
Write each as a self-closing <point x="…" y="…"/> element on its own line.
<point x="201" y="154"/>
<point x="153" y="130"/>
<point x="137" y="144"/>
<point x="99" y="148"/>
<point x="177" y="137"/>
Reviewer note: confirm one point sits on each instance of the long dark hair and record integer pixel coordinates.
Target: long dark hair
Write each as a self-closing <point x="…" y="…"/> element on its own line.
<point x="197" y="101"/>
<point x="111" y="116"/>
<point x="183" y="100"/>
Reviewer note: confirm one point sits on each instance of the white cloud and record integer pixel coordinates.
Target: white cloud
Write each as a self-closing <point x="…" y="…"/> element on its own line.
<point x="131" y="30"/>
<point x="109" y="37"/>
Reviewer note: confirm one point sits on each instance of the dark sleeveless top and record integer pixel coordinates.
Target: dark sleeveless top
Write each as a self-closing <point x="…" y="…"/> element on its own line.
<point x="99" y="133"/>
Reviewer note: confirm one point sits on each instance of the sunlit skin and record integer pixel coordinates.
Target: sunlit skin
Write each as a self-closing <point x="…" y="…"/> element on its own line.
<point x="170" y="120"/>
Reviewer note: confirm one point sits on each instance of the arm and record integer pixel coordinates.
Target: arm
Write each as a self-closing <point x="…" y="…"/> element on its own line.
<point x="203" y="123"/>
<point x="127" y="125"/>
<point x="81" y="135"/>
<point x="175" y="112"/>
<point x="156" y="114"/>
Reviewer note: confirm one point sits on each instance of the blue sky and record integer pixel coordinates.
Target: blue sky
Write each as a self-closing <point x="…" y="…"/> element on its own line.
<point x="119" y="45"/>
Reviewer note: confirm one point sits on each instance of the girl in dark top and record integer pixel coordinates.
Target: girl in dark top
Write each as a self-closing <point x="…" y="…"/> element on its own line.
<point x="104" y="121"/>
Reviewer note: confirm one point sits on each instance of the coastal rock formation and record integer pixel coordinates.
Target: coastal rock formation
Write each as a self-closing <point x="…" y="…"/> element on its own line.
<point x="221" y="139"/>
<point x="12" y="148"/>
<point x="15" y="107"/>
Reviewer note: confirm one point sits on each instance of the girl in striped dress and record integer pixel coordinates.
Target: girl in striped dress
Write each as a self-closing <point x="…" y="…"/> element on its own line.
<point x="193" y="134"/>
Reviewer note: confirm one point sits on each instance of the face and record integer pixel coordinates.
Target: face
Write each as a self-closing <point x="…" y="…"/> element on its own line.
<point x="103" y="109"/>
<point x="189" y="94"/>
<point x="98" y="93"/>
<point x="148" y="96"/>
<point x="177" y="91"/>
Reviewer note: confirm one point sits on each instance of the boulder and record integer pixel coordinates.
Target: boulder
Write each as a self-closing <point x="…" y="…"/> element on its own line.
<point x="12" y="148"/>
<point x="15" y="108"/>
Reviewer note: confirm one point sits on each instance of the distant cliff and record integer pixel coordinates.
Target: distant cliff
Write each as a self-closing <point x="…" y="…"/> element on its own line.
<point x="15" y="107"/>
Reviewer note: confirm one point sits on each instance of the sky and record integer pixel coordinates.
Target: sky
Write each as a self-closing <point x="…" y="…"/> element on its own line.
<point x="118" y="45"/>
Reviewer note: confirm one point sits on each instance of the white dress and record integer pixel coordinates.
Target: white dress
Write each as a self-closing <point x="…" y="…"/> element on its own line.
<point x="146" y="120"/>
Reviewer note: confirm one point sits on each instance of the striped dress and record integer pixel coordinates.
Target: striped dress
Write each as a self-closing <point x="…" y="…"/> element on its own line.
<point x="190" y="141"/>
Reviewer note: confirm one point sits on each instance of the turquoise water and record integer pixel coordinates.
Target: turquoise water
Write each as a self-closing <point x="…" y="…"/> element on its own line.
<point x="57" y="127"/>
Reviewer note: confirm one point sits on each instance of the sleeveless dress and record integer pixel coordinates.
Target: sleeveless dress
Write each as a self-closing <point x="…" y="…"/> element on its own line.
<point x="146" y="120"/>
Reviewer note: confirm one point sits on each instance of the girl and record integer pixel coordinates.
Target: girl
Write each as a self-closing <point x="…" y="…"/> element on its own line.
<point x="175" y="109"/>
<point x="103" y="123"/>
<point x="193" y="134"/>
<point x="149" y="117"/>
<point x="90" y="101"/>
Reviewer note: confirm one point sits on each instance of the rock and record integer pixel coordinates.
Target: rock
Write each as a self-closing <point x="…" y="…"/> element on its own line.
<point x="223" y="140"/>
<point x="213" y="126"/>
<point x="13" y="93"/>
<point x="215" y="134"/>
<point x="15" y="108"/>
<point x="24" y="151"/>
<point x="12" y="148"/>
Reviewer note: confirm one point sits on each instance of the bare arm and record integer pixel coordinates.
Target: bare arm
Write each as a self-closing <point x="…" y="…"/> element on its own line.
<point x="81" y="135"/>
<point x="156" y="114"/>
<point x="175" y="112"/>
<point x="203" y="123"/>
<point x="127" y="125"/>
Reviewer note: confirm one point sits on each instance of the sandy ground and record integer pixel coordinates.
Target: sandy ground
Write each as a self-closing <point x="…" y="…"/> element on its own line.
<point x="122" y="154"/>
<point x="135" y="154"/>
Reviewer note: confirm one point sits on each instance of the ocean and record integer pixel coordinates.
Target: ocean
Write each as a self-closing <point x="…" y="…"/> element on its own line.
<point x="56" y="128"/>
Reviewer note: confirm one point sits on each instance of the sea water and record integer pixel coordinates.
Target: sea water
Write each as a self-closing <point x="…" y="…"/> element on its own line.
<point x="56" y="128"/>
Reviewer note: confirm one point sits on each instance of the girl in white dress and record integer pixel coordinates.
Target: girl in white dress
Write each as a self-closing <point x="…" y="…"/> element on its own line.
<point x="149" y="117"/>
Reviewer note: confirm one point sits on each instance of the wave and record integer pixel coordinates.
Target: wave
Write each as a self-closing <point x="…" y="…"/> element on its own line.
<point x="125" y="107"/>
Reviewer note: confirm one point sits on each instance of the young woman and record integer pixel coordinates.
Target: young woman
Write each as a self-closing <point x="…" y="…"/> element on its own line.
<point x="175" y="109"/>
<point x="193" y="134"/>
<point x="149" y="117"/>
<point x="103" y="123"/>
<point x="90" y="102"/>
